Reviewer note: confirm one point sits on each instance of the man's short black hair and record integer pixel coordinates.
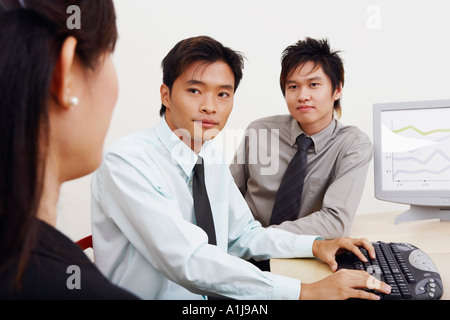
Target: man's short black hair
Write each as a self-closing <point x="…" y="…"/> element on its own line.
<point x="201" y="48"/>
<point x="319" y="52"/>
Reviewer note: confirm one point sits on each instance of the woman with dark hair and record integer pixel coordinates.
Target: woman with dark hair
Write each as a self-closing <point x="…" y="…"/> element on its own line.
<point x="58" y="88"/>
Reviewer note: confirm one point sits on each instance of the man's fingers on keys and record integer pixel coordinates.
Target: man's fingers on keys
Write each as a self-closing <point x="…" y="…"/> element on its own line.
<point x="368" y="246"/>
<point x="360" y="281"/>
<point x="375" y="284"/>
<point x="357" y="251"/>
<point x="361" y="294"/>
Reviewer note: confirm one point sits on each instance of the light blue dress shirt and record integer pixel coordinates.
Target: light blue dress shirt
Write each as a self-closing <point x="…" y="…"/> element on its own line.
<point x="144" y="233"/>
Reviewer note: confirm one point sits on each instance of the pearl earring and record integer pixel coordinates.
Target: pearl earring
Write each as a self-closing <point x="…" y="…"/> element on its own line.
<point x="73" y="102"/>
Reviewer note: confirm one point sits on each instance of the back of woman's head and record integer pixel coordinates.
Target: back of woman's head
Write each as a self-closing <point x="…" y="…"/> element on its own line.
<point x="31" y="35"/>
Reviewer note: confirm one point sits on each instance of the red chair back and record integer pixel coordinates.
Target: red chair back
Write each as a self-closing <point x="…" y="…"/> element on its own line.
<point x="85" y="243"/>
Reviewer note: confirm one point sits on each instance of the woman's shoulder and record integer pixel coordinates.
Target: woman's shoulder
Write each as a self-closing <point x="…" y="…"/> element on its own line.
<point x="57" y="269"/>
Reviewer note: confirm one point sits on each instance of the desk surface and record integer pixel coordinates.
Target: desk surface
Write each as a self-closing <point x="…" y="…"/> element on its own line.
<point x="431" y="236"/>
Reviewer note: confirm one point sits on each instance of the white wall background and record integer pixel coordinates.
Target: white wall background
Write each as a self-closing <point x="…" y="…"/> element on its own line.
<point x="393" y="51"/>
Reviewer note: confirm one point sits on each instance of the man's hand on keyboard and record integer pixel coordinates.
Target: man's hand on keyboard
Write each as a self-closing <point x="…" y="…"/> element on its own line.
<point x="327" y="250"/>
<point x="344" y="284"/>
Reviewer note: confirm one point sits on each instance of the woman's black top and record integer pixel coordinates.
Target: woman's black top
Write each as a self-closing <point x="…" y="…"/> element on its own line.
<point x="57" y="269"/>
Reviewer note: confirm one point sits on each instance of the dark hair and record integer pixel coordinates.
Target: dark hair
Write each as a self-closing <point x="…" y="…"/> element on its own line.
<point x="201" y="48"/>
<point x="31" y="35"/>
<point x="319" y="52"/>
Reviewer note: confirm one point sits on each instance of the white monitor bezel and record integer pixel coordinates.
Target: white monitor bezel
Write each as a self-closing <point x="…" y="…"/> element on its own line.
<point x="438" y="198"/>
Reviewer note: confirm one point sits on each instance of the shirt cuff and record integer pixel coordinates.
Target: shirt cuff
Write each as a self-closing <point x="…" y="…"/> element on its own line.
<point x="303" y="246"/>
<point x="285" y="288"/>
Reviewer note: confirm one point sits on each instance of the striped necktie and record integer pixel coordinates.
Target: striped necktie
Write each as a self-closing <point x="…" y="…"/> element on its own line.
<point x="287" y="201"/>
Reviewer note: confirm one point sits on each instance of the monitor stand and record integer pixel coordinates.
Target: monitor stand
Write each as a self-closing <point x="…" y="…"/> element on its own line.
<point x="422" y="213"/>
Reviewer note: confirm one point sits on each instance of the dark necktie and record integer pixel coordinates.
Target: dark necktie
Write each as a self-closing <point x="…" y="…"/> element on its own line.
<point x="287" y="201"/>
<point x="202" y="207"/>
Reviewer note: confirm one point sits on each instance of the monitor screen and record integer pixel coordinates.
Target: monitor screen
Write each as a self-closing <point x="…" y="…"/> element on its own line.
<point x="412" y="152"/>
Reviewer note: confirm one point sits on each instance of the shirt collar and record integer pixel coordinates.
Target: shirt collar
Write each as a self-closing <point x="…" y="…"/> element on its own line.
<point x="178" y="150"/>
<point x="319" y="139"/>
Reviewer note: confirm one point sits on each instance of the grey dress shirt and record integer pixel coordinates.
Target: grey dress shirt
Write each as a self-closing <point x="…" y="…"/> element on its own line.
<point x="336" y="173"/>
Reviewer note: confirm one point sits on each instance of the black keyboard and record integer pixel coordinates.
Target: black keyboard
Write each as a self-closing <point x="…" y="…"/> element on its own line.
<point x="408" y="270"/>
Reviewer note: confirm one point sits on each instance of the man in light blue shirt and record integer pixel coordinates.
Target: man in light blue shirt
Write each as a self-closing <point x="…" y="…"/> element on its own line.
<point x="144" y="227"/>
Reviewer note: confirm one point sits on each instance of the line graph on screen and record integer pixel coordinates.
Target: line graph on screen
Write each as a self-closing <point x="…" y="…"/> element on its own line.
<point x="418" y="147"/>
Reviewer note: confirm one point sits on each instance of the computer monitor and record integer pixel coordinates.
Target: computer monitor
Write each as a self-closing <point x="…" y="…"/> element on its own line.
<point x="412" y="157"/>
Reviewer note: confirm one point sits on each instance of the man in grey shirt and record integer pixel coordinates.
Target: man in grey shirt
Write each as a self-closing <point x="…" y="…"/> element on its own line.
<point x="311" y="80"/>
